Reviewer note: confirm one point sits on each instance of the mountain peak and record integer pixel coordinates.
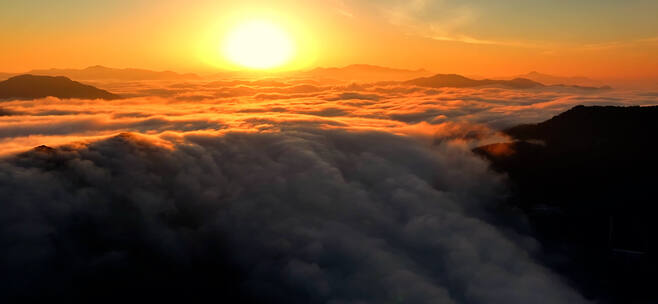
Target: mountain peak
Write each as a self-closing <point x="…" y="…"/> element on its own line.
<point x="459" y="81"/>
<point x="95" y="67"/>
<point x="29" y="86"/>
<point x="548" y="79"/>
<point x="365" y="72"/>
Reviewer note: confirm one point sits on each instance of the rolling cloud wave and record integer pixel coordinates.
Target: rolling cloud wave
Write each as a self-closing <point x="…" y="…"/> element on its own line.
<point x="269" y="192"/>
<point x="164" y="107"/>
<point x="302" y="216"/>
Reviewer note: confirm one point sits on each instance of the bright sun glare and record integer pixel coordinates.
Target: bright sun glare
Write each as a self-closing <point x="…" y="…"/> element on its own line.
<point x="258" y="45"/>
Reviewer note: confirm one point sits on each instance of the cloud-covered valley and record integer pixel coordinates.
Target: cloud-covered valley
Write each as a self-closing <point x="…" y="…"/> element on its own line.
<point x="157" y="108"/>
<point x="271" y="191"/>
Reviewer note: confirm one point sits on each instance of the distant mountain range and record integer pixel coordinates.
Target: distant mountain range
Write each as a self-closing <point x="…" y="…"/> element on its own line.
<point x="586" y="181"/>
<point x="31" y="86"/>
<point x="560" y="80"/>
<point x="364" y="72"/>
<point x="350" y="73"/>
<point x="458" y="81"/>
<point x="104" y="73"/>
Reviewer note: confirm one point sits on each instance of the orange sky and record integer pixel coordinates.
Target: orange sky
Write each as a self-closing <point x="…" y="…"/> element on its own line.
<point x="600" y="39"/>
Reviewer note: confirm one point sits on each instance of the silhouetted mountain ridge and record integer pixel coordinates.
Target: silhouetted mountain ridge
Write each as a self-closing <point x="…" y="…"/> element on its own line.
<point x="33" y="86"/>
<point x="580" y="125"/>
<point x="586" y="180"/>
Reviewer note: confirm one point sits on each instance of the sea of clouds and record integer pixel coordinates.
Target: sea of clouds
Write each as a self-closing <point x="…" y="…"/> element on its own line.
<point x="272" y="191"/>
<point x="157" y="108"/>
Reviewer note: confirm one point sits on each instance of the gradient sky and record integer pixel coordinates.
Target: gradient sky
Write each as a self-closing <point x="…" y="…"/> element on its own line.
<point x="596" y="38"/>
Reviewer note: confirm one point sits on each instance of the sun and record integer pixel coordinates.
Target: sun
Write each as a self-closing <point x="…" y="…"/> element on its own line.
<point x="258" y="44"/>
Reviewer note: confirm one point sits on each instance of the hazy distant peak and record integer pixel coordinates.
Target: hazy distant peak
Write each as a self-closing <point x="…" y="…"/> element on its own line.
<point x="370" y="67"/>
<point x="560" y="80"/>
<point x="458" y="81"/>
<point x="99" y="72"/>
<point x="365" y="72"/>
<point x="97" y="67"/>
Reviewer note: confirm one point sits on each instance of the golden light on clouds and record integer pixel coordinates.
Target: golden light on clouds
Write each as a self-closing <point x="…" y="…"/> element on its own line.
<point x="258" y="44"/>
